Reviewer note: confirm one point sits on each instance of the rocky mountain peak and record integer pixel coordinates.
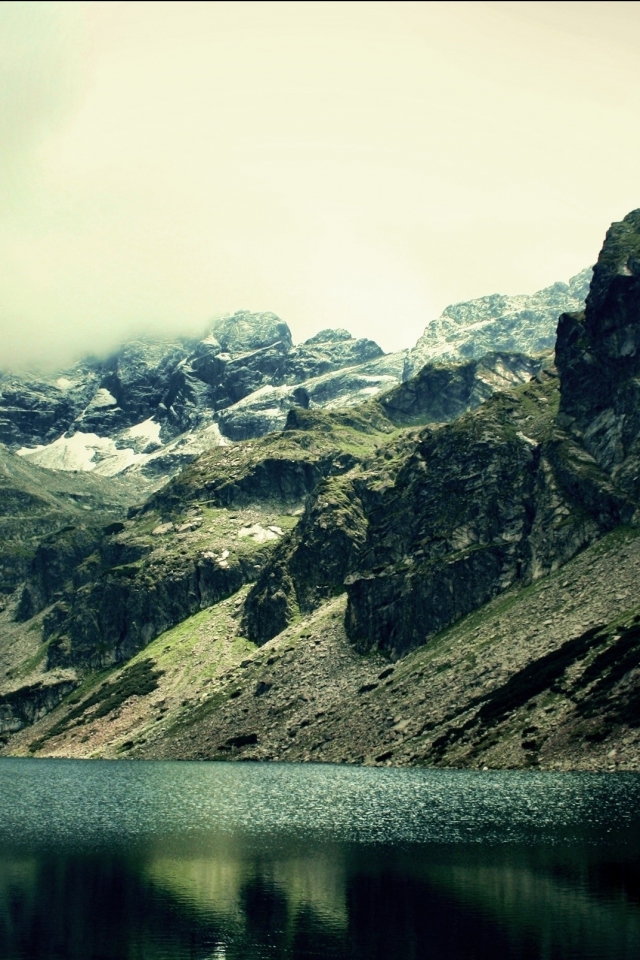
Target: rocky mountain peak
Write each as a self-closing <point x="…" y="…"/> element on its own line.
<point x="243" y="332"/>
<point x="618" y="264"/>
<point x="389" y="510"/>
<point x="156" y="403"/>
<point x="524" y="323"/>
<point x="329" y="335"/>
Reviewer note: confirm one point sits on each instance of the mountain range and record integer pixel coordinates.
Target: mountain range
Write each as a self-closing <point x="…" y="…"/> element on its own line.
<point x="238" y="548"/>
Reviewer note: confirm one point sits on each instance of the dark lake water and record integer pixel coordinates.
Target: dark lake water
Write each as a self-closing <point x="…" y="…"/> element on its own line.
<point x="214" y="860"/>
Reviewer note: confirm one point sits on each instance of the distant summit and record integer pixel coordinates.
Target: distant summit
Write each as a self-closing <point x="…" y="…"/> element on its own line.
<point x="520" y="324"/>
<point x="156" y="404"/>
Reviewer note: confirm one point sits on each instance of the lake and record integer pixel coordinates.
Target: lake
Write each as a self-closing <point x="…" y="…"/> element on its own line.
<point x="218" y="860"/>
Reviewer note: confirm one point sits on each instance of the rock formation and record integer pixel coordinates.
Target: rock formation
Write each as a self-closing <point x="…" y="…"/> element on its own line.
<point x="497" y="497"/>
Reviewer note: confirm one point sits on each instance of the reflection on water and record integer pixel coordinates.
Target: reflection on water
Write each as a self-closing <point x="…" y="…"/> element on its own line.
<point x="164" y="860"/>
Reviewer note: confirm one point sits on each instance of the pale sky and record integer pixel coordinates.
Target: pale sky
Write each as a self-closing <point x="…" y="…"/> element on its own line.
<point x="341" y="164"/>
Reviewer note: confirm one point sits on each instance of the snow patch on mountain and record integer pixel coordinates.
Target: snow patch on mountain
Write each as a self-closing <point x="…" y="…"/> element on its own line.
<point x="82" y="451"/>
<point x="108" y="457"/>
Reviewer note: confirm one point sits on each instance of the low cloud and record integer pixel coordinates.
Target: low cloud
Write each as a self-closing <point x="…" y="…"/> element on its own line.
<point x="357" y="165"/>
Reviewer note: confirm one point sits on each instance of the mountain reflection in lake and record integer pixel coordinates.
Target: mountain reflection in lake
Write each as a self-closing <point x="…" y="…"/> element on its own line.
<point x="176" y="860"/>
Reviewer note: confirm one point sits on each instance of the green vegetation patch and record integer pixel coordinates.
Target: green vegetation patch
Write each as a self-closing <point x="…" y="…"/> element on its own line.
<point x="368" y="418"/>
<point x="138" y="680"/>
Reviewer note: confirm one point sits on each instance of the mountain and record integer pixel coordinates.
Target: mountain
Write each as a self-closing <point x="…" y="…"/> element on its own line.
<point x="157" y="404"/>
<point x="416" y="574"/>
<point x="36" y="503"/>
<point x="523" y="324"/>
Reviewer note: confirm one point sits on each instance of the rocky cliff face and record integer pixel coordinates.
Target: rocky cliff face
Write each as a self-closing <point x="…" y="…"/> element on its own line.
<point x="108" y="591"/>
<point x="501" y="496"/>
<point x="598" y="356"/>
<point x="519" y="324"/>
<point x="439" y="522"/>
<point x="37" y="503"/>
<point x="441" y="392"/>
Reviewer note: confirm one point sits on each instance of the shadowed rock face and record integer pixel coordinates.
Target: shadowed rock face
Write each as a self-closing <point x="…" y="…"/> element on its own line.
<point x="433" y="528"/>
<point x="112" y="617"/>
<point x="53" y="564"/>
<point x="115" y="589"/>
<point x="505" y="503"/>
<point x="598" y="356"/>
<point x="421" y="499"/>
<point x="311" y="565"/>
<point x="442" y="392"/>
<point x="476" y="509"/>
<point x="23" y="707"/>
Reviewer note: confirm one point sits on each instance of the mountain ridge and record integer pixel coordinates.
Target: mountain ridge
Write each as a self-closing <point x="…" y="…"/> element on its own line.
<point x="155" y="404"/>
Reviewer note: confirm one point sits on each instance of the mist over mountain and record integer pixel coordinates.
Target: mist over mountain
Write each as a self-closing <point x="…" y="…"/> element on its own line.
<point x="156" y="403"/>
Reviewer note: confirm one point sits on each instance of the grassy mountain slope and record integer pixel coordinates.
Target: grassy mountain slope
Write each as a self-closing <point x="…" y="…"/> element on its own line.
<point x="543" y="676"/>
<point x="35" y="503"/>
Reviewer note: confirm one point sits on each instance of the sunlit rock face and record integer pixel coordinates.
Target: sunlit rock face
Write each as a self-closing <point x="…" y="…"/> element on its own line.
<point x="492" y="500"/>
<point x="502" y="495"/>
<point x="336" y="506"/>
<point x="508" y="324"/>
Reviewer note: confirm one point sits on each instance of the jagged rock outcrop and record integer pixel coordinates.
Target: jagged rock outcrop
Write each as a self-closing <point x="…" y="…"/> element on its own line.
<point x="244" y="332"/>
<point x="478" y="507"/>
<point x="312" y="564"/>
<point x="327" y="351"/>
<point x="422" y="535"/>
<point x="36" y="503"/>
<point x="385" y="511"/>
<point x="37" y="410"/>
<point x="546" y="505"/>
<point x="441" y="392"/>
<point x="110" y="618"/>
<point x="117" y="588"/>
<point x="55" y="559"/>
<point x="280" y="468"/>
<point x="21" y="708"/>
<point x="598" y="356"/>
<point x="157" y="404"/>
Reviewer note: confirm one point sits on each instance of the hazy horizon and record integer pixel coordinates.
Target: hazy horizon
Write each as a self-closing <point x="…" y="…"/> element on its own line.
<point x="360" y="165"/>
